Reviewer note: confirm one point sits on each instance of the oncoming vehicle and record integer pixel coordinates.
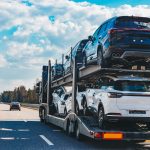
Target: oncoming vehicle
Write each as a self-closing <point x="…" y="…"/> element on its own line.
<point x="119" y="42"/>
<point x="119" y="98"/>
<point x="15" y="105"/>
<point x="76" y="51"/>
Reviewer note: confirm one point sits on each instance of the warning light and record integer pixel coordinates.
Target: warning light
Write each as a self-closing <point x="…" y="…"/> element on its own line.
<point x="97" y="135"/>
<point x="112" y="136"/>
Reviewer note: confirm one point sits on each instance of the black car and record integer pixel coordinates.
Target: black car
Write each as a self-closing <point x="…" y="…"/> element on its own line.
<point x="15" y="105"/>
<point x="57" y="71"/>
<point x="76" y="51"/>
<point x="119" y="39"/>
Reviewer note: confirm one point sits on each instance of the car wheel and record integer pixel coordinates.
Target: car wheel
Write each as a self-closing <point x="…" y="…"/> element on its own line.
<point x="77" y="109"/>
<point x="100" y="58"/>
<point x="85" y="110"/>
<point x="65" y="111"/>
<point x="101" y="117"/>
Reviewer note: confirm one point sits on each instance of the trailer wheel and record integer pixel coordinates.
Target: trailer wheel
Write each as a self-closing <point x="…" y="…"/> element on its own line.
<point x="68" y="128"/>
<point x="77" y="132"/>
<point x="101" y="117"/>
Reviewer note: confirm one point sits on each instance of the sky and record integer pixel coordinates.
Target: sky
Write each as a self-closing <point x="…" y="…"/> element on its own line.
<point x="34" y="31"/>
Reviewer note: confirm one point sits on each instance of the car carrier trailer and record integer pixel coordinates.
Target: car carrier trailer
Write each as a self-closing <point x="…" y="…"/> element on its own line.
<point x="86" y="125"/>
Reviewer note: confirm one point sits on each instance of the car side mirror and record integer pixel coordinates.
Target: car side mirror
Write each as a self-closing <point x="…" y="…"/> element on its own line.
<point x="90" y="38"/>
<point x="67" y="57"/>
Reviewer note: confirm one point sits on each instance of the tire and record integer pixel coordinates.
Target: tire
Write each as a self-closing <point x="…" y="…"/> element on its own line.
<point x="101" y="117"/>
<point x="65" y="112"/>
<point x="85" y="110"/>
<point x="68" y="131"/>
<point x="100" y="60"/>
<point x="77" y="110"/>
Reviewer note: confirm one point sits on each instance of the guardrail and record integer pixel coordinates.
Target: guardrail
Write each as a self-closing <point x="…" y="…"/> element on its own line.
<point x="32" y="106"/>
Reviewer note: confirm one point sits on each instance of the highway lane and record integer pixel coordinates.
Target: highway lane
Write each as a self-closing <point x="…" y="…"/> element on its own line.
<point x="25" y="132"/>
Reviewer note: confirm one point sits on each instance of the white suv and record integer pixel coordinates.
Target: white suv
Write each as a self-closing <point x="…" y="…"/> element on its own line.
<point x="119" y="98"/>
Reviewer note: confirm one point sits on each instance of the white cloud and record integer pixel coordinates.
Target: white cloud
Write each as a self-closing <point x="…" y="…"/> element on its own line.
<point x="37" y="39"/>
<point x="3" y="61"/>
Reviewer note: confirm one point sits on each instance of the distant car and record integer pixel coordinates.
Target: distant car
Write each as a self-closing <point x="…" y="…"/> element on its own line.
<point x="57" y="71"/>
<point x="76" y="51"/>
<point x="119" y="98"/>
<point x="15" y="105"/>
<point x="117" y="40"/>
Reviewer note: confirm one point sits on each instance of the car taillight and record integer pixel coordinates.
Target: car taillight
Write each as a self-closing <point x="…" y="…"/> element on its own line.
<point x="114" y="95"/>
<point x="113" y="30"/>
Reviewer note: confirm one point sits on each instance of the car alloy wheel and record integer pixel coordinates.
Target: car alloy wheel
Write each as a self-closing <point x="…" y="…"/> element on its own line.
<point x="101" y="117"/>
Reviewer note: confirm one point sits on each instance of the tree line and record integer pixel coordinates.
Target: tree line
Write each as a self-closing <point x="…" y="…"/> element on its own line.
<point x="20" y="94"/>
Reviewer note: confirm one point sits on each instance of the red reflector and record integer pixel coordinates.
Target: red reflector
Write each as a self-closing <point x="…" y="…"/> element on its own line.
<point x="112" y="136"/>
<point x="97" y="135"/>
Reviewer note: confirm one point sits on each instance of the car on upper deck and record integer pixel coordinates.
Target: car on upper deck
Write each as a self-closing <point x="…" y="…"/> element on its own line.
<point x="119" y="41"/>
<point x="75" y="52"/>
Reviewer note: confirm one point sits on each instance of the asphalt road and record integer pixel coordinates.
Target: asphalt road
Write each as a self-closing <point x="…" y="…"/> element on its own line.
<point x="22" y="130"/>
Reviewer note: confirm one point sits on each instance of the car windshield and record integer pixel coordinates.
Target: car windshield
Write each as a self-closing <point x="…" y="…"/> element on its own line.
<point x="141" y="23"/>
<point x="135" y="86"/>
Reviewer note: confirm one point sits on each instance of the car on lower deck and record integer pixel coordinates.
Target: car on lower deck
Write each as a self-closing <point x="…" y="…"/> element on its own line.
<point x="119" y="99"/>
<point x="15" y="106"/>
<point x="120" y="42"/>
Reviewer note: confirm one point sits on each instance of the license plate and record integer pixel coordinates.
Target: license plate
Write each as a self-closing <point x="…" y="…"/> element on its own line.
<point x="137" y="112"/>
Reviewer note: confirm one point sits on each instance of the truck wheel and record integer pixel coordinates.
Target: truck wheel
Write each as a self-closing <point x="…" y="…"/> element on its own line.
<point x="101" y="117"/>
<point x="85" y="111"/>
<point x="68" y="128"/>
<point x="77" y="132"/>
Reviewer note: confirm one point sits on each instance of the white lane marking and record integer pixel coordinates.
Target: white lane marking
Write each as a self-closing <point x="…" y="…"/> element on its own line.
<point x="56" y="130"/>
<point x="46" y="140"/>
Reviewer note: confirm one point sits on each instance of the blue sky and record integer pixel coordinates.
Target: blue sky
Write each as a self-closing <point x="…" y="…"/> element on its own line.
<point x="116" y="3"/>
<point x="33" y="31"/>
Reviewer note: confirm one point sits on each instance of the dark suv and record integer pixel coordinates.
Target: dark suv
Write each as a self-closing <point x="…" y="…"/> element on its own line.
<point x="124" y="38"/>
<point x="76" y="51"/>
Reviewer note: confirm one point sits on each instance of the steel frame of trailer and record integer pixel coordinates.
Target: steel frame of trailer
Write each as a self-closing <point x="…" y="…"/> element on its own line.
<point x="87" y="125"/>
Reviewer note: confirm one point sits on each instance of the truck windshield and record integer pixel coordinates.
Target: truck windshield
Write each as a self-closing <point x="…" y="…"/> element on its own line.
<point x="141" y="23"/>
<point x="135" y="86"/>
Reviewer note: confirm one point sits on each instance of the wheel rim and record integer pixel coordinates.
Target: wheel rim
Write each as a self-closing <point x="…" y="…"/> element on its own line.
<point x="100" y="117"/>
